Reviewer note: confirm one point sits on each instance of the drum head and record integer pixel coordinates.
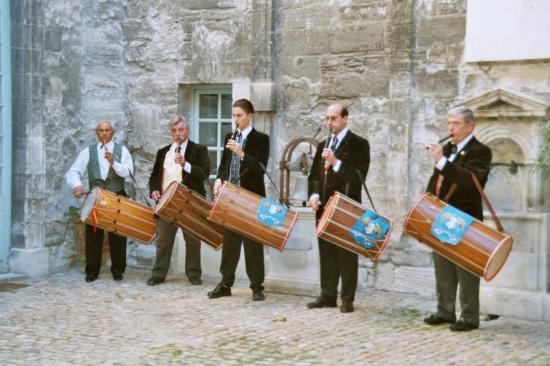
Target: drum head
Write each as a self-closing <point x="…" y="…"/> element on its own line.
<point x="88" y="205"/>
<point x="498" y="258"/>
<point x="167" y="194"/>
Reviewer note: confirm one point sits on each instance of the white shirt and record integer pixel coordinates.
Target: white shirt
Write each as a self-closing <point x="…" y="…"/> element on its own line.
<point x="443" y="161"/>
<point x="245" y="133"/>
<point x="171" y="169"/>
<point x="79" y="169"/>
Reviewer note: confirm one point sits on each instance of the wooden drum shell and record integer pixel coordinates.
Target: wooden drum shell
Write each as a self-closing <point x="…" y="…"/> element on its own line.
<point x="482" y="251"/>
<point x="187" y="209"/>
<point x="235" y="209"/>
<point x="339" y="216"/>
<point x="118" y="214"/>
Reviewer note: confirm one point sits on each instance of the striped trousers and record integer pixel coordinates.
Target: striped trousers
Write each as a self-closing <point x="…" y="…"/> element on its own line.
<point x="166" y="235"/>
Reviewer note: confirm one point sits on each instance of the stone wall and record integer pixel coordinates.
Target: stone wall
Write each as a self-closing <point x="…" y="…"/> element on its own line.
<point x="398" y="64"/>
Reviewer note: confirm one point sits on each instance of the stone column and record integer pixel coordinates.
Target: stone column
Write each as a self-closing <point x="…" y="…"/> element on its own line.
<point x="28" y="253"/>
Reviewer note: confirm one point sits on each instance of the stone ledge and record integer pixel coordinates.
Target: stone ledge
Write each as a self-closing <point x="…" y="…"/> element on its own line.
<point x="31" y="262"/>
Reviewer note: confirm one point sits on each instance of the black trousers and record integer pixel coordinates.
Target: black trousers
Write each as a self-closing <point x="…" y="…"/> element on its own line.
<point x="94" y="249"/>
<point x="337" y="263"/>
<point x="253" y="258"/>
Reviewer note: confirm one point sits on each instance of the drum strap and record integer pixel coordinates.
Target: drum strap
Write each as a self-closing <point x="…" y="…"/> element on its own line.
<point x="450" y="193"/>
<point x="365" y="188"/>
<point x="487" y="203"/>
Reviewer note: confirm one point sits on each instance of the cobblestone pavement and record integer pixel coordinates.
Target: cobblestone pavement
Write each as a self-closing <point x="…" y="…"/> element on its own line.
<point x="61" y="320"/>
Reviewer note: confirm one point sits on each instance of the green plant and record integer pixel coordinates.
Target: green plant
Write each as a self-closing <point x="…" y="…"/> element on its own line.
<point x="73" y="214"/>
<point x="544" y="157"/>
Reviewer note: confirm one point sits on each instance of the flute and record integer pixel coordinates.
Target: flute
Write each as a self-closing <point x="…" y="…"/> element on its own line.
<point x="325" y="167"/>
<point x="444" y="139"/>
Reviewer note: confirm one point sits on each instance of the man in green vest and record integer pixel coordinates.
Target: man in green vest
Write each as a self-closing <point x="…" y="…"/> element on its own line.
<point x="106" y="164"/>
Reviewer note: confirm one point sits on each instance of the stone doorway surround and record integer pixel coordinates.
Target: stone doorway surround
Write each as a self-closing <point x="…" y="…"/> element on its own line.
<point x="509" y="122"/>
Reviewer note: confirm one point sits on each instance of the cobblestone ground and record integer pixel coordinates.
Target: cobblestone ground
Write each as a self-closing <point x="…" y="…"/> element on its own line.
<point x="61" y="320"/>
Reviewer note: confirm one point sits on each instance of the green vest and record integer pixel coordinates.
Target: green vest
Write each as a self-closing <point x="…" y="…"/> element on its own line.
<point x="113" y="183"/>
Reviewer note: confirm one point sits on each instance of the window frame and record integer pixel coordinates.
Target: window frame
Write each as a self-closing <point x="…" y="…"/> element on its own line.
<point x="219" y="89"/>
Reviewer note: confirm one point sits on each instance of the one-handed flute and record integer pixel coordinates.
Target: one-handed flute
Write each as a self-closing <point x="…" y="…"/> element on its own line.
<point x="325" y="167"/>
<point x="444" y="139"/>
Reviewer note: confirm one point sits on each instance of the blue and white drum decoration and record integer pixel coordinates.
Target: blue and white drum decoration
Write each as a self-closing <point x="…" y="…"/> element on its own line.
<point x="349" y="225"/>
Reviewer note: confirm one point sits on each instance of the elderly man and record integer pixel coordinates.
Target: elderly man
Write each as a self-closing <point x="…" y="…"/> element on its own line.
<point x="454" y="164"/>
<point x="106" y="163"/>
<point x="340" y="165"/>
<point x="186" y="162"/>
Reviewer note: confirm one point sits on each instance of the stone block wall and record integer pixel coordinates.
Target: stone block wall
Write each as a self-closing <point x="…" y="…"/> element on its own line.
<point x="397" y="64"/>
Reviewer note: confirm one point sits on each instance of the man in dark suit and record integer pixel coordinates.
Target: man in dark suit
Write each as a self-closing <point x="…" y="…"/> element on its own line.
<point x="454" y="163"/>
<point x="340" y="165"/>
<point x="244" y="157"/>
<point x="187" y="162"/>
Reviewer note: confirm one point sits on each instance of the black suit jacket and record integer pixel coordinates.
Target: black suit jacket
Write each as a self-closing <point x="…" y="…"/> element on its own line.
<point x="256" y="150"/>
<point x="474" y="157"/>
<point x="196" y="155"/>
<point x="354" y="152"/>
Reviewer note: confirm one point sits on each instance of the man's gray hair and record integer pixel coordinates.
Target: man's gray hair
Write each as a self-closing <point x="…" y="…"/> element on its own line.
<point x="111" y="124"/>
<point x="466" y="112"/>
<point x="178" y="119"/>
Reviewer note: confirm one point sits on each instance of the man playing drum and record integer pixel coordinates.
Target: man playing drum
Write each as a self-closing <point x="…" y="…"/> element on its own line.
<point x="454" y="163"/>
<point x="186" y="162"/>
<point x="106" y="164"/>
<point x="244" y="157"/>
<point x="340" y="165"/>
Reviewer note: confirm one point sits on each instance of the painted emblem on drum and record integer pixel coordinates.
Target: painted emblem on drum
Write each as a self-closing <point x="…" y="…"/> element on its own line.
<point x="271" y="212"/>
<point x="369" y="228"/>
<point x="450" y="225"/>
<point x="103" y="202"/>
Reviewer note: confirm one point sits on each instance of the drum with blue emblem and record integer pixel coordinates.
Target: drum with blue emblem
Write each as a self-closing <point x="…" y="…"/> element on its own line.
<point x="346" y="223"/>
<point x="462" y="239"/>
<point x="261" y="219"/>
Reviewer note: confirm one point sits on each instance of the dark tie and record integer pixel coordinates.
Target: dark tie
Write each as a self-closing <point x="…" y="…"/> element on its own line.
<point x="334" y="143"/>
<point x="453" y="149"/>
<point x="235" y="166"/>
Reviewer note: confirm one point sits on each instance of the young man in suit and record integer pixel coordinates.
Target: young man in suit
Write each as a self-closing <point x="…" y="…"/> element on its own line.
<point x="340" y="165"/>
<point x="186" y="162"/>
<point x="107" y="164"/>
<point x="244" y="157"/>
<point x="454" y="164"/>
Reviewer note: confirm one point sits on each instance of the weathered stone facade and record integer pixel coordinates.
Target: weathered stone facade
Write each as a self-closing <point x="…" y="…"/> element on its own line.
<point x="398" y="64"/>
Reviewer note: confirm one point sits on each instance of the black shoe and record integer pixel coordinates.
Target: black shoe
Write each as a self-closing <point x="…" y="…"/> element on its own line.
<point x="153" y="281"/>
<point x="347" y="307"/>
<point x="220" y="291"/>
<point x="461" y="326"/>
<point x="435" y="319"/>
<point x="195" y="281"/>
<point x="321" y="303"/>
<point x="118" y="276"/>
<point x="258" y="295"/>
<point x="90" y="278"/>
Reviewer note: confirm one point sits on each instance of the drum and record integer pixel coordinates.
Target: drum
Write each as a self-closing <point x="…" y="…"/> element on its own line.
<point x="339" y="217"/>
<point x="188" y="210"/>
<point x="236" y="209"/>
<point x="482" y="250"/>
<point x="118" y="214"/>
